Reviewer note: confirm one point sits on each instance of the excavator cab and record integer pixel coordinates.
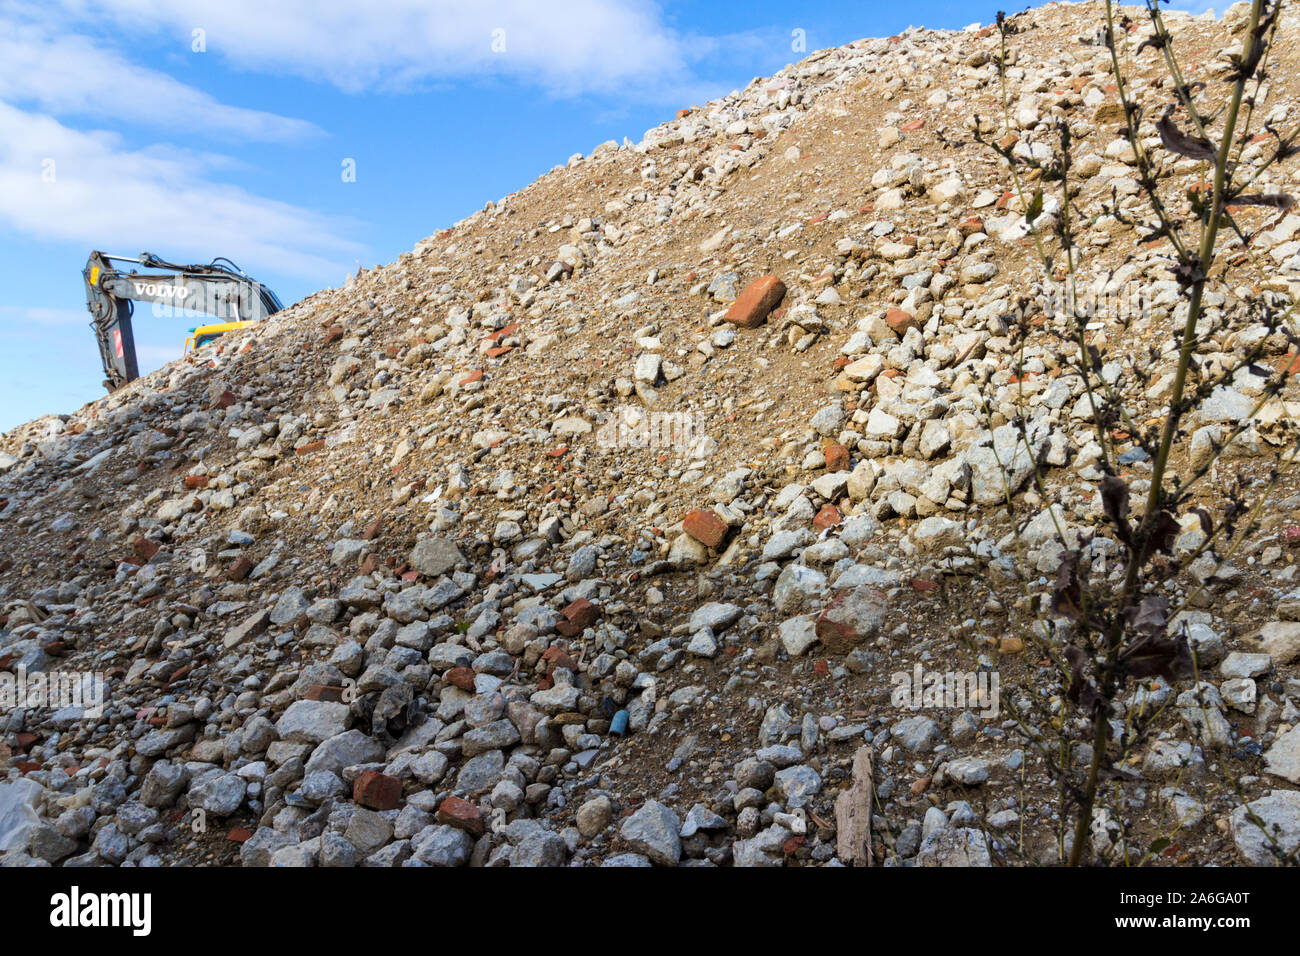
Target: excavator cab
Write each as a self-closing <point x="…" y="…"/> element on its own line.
<point x="219" y="289"/>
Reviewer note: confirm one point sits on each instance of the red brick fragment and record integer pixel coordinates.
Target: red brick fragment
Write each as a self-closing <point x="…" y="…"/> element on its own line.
<point x="144" y="548"/>
<point x="759" y="298"/>
<point x="240" y="569"/>
<point x="837" y="458"/>
<point x="325" y="692"/>
<point x="462" y="677"/>
<point x="577" y="617"/>
<point x="461" y="814"/>
<point x="900" y="321"/>
<point x="704" y="525"/>
<point x="378" y="791"/>
<point x="558" y="657"/>
<point x="828" y="517"/>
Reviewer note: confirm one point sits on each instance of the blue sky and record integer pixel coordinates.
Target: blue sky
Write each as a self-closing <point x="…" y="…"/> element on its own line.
<point x="193" y="130"/>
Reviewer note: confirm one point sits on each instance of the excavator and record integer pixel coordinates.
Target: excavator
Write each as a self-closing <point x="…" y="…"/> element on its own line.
<point x="220" y="289"/>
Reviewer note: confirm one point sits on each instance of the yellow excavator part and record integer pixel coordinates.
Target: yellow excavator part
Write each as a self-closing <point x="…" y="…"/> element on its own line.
<point x="204" y="334"/>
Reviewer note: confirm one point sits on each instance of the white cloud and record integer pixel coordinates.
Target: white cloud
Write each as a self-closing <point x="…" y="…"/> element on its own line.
<point x="107" y="196"/>
<point x="64" y="65"/>
<point x="67" y="74"/>
<point x="579" y="46"/>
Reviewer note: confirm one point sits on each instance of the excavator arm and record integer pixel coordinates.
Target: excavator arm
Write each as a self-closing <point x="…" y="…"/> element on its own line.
<point x="218" y="288"/>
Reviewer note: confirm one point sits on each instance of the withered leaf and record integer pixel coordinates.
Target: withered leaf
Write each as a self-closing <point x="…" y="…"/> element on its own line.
<point x="1176" y="141"/>
<point x="1067" y="593"/>
<point x="1148" y="616"/>
<point x="1161" y="532"/>
<point x="1167" y="657"/>
<point x="1274" y="200"/>
<point x="1244" y="66"/>
<point x="1286" y="149"/>
<point x="1156" y="41"/>
<point x="1114" y="504"/>
<point x="1082" y="691"/>
<point x="1188" y="274"/>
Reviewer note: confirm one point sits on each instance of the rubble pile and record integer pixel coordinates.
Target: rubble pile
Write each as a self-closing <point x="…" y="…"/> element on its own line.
<point x="599" y="528"/>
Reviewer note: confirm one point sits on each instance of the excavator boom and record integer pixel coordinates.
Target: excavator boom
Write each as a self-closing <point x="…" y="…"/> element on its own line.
<point x="218" y="288"/>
